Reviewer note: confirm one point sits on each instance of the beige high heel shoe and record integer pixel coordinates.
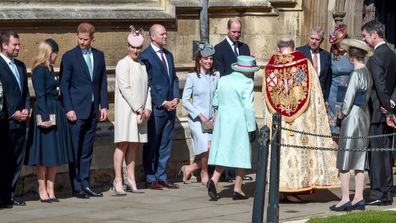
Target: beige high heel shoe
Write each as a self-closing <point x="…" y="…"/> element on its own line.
<point x="133" y="190"/>
<point x="118" y="193"/>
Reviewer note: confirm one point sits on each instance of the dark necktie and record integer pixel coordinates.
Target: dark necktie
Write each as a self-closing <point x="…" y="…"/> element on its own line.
<point x="236" y="48"/>
<point x="163" y="61"/>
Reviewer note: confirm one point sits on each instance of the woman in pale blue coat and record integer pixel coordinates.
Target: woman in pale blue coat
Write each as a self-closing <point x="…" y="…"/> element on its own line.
<point x="197" y="98"/>
<point x="235" y="125"/>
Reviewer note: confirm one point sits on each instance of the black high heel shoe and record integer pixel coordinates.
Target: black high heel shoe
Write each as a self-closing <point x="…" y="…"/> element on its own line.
<point x="239" y="196"/>
<point x="345" y="207"/>
<point x="360" y="205"/>
<point x="212" y="192"/>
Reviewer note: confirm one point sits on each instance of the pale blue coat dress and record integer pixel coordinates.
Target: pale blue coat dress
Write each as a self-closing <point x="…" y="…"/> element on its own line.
<point x="197" y="98"/>
<point x="235" y="117"/>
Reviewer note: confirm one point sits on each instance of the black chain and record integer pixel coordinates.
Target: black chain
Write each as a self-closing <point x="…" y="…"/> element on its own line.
<point x="339" y="137"/>
<point x="335" y="149"/>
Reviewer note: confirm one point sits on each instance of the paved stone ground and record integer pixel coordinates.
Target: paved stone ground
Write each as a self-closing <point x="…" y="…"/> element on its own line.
<point x="190" y="204"/>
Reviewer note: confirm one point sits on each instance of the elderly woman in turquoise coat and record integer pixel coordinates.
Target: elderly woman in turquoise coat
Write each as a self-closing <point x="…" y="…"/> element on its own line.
<point x="197" y="100"/>
<point x="235" y="125"/>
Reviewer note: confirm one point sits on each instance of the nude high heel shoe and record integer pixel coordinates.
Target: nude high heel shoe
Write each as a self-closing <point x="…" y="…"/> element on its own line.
<point x="133" y="190"/>
<point x="118" y="193"/>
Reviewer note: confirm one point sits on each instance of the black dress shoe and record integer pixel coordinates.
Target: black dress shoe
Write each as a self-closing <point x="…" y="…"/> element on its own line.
<point x="18" y="202"/>
<point x="54" y="199"/>
<point x="345" y="207"/>
<point x="212" y="192"/>
<point x="80" y="194"/>
<point x="45" y="201"/>
<point x="92" y="193"/>
<point x="227" y="179"/>
<point x="360" y="205"/>
<point x="379" y="202"/>
<point x="246" y="177"/>
<point x="6" y="204"/>
<point x="168" y="185"/>
<point x="238" y="196"/>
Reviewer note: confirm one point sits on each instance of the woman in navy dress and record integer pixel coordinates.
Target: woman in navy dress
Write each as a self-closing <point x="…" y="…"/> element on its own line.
<point x="49" y="143"/>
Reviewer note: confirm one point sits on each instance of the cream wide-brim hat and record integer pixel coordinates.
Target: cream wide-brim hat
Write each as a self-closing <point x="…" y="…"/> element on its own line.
<point x="346" y="43"/>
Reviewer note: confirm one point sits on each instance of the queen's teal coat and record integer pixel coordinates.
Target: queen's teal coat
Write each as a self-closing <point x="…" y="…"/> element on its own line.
<point x="235" y="117"/>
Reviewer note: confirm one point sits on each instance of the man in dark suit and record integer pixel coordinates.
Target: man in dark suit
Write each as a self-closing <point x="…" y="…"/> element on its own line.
<point x="228" y="50"/>
<point x="14" y="78"/>
<point x="6" y="155"/>
<point x="320" y="59"/>
<point x="164" y="97"/>
<point x="226" y="53"/>
<point x="382" y="66"/>
<point x="84" y="90"/>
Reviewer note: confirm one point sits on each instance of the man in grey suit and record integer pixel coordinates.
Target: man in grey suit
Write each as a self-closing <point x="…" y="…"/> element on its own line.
<point x="382" y="67"/>
<point x="320" y="59"/>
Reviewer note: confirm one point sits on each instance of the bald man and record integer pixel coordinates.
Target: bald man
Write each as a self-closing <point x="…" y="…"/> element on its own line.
<point x="164" y="98"/>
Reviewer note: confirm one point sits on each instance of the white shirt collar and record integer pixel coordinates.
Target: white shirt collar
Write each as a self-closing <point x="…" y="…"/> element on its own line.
<point x="230" y="41"/>
<point x="155" y="48"/>
<point x="379" y="44"/>
<point x="6" y="59"/>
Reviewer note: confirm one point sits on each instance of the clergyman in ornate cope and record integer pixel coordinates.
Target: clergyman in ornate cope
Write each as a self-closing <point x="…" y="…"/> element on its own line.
<point x="287" y="89"/>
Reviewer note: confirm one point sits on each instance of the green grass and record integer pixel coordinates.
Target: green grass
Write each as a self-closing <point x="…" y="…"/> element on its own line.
<point x="358" y="217"/>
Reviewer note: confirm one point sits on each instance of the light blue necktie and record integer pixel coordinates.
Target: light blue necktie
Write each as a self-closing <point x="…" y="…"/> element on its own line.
<point x="16" y="73"/>
<point x="88" y="61"/>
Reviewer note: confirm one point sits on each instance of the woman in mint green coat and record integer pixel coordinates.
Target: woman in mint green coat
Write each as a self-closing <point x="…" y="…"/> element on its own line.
<point x="235" y="125"/>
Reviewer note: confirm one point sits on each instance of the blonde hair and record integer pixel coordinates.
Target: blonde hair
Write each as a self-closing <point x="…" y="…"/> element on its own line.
<point x="43" y="55"/>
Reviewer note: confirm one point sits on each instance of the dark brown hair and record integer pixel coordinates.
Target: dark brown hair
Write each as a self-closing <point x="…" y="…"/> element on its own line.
<point x="357" y="53"/>
<point x="197" y="66"/>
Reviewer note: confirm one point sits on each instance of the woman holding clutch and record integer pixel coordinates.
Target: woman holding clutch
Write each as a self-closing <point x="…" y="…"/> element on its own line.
<point x="132" y="110"/>
<point x="49" y="143"/>
<point x="355" y="122"/>
<point x="200" y="87"/>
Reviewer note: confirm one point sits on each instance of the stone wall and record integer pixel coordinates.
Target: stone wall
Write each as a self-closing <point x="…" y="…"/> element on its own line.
<point x="263" y="21"/>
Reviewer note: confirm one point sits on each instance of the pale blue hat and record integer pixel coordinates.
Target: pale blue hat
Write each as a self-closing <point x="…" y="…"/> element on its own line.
<point x="245" y="64"/>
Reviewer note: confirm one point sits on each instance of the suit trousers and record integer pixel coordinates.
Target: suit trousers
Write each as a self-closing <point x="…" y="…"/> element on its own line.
<point x="83" y="132"/>
<point x="17" y="144"/>
<point x="7" y="163"/>
<point x="380" y="164"/>
<point x="157" y="151"/>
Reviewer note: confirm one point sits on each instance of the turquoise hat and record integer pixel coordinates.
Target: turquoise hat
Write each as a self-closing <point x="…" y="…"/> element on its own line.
<point x="245" y="64"/>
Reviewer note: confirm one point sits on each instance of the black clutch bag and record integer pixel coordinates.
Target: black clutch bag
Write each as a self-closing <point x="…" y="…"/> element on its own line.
<point x="360" y="97"/>
<point x="206" y="129"/>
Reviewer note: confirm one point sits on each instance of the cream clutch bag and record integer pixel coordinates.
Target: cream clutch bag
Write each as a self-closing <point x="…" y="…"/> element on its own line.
<point x="39" y="120"/>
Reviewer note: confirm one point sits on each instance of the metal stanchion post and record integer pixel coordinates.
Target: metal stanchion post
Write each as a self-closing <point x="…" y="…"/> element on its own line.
<point x="273" y="197"/>
<point x="261" y="175"/>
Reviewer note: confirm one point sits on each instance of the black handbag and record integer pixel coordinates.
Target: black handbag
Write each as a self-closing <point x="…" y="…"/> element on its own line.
<point x="206" y="129"/>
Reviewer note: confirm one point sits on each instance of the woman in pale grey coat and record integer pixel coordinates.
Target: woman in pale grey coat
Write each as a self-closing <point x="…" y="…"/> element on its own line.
<point x="355" y="117"/>
<point x="132" y="110"/>
<point x="197" y="98"/>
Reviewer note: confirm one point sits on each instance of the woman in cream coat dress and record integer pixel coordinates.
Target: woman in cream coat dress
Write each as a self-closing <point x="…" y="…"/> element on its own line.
<point x="132" y="110"/>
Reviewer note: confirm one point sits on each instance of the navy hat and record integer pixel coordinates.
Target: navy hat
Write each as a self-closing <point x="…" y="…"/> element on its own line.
<point x="53" y="45"/>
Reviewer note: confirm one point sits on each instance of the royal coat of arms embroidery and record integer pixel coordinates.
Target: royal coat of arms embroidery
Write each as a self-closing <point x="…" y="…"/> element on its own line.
<point x="286" y="85"/>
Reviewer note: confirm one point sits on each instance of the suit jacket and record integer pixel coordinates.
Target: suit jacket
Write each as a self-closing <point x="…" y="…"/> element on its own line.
<point x="224" y="56"/>
<point x="382" y="66"/>
<point x="164" y="87"/>
<point x="76" y="85"/>
<point x="16" y="98"/>
<point x="325" y="75"/>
